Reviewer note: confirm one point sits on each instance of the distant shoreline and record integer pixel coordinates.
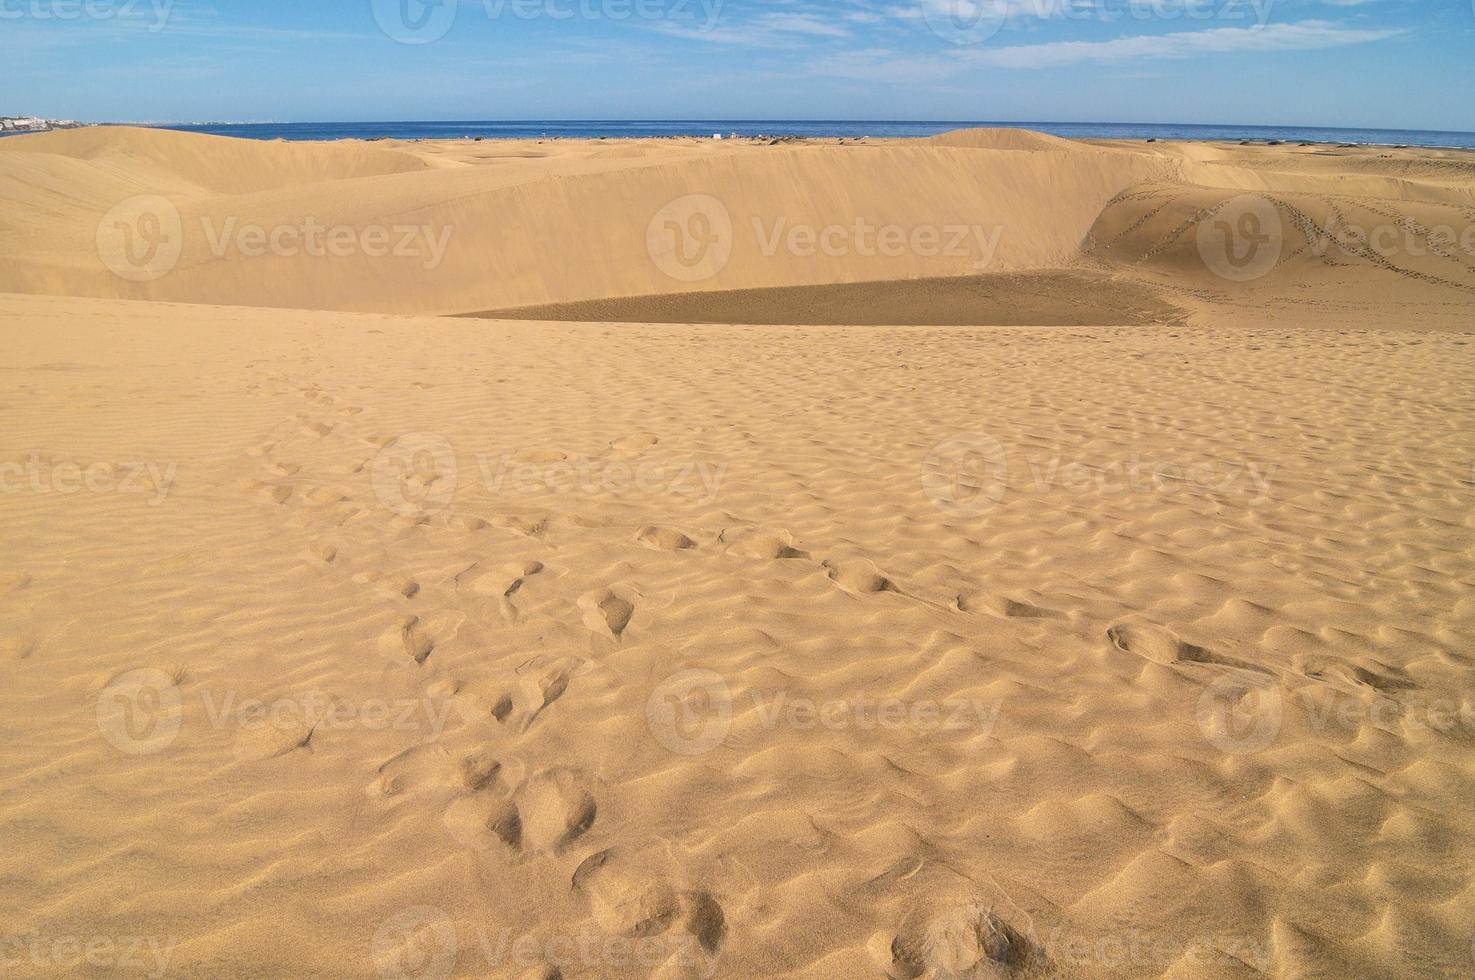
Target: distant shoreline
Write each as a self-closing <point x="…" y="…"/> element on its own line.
<point x="614" y="130"/>
<point x="818" y="129"/>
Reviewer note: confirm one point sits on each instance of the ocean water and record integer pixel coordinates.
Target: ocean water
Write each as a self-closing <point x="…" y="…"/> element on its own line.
<point x="613" y="129"/>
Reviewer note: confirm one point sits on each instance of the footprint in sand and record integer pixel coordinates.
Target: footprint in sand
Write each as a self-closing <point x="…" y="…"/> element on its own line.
<point x="634" y="893"/>
<point x="526" y="527"/>
<point x="1005" y="607"/>
<point x="326" y="495"/>
<point x="758" y="543"/>
<point x="272" y="738"/>
<point x="1345" y="674"/>
<point x="323" y="551"/>
<point x="545" y="679"/>
<point x="544" y="815"/>
<point x="858" y="577"/>
<point x="633" y="443"/>
<point x="505" y="581"/>
<point x="966" y="941"/>
<point x="501" y="584"/>
<point x="664" y="539"/>
<point x="606" y="612"/>
<point x="14" y="581"/>
<point x="318" y="429"/>
<point x="486" y="698"/>
<point x="483" y="821"/>
<point x="516" y="698"/>
<point x="17" y="647"/>
<point x="413" y="639"/>
<point x="432" y="767"/>
<point x="1162" y="646"/>
<point x="556" y="810"/>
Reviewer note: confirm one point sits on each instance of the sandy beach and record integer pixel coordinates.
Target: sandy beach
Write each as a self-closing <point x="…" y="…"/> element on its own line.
<point x="990" y="555"/>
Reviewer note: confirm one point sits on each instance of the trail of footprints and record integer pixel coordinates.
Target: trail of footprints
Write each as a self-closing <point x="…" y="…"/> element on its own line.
<point x="1162" y="646"/>
<point x="490" y="802"/>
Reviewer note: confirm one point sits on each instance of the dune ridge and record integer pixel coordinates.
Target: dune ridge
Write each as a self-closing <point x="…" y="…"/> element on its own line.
<point x="539" y="223"/>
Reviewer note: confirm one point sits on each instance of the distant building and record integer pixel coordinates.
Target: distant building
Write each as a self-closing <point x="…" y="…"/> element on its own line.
<point x="34" y="124"/>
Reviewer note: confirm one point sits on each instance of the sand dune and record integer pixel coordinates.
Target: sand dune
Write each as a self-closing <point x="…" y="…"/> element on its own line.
<point x="550" y="238"/>
<point x="342" y="639"/>
<point x="482" y="226"/>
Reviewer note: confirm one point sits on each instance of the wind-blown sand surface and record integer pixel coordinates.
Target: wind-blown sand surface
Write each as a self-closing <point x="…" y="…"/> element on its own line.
<point x="342" y="638"/>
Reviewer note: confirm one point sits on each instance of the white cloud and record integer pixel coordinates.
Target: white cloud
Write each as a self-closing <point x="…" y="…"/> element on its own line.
<point x="767" y="30"/>
<point x="1304" y="36"/>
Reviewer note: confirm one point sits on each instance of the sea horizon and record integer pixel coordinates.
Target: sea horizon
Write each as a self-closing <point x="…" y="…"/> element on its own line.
<point x="813" y="129"/>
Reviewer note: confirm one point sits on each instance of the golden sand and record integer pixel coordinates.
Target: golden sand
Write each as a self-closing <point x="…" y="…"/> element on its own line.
<point x="343" y="638"/>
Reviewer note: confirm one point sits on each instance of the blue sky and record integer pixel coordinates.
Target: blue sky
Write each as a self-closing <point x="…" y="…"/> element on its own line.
<point x="1351" y="63"/>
